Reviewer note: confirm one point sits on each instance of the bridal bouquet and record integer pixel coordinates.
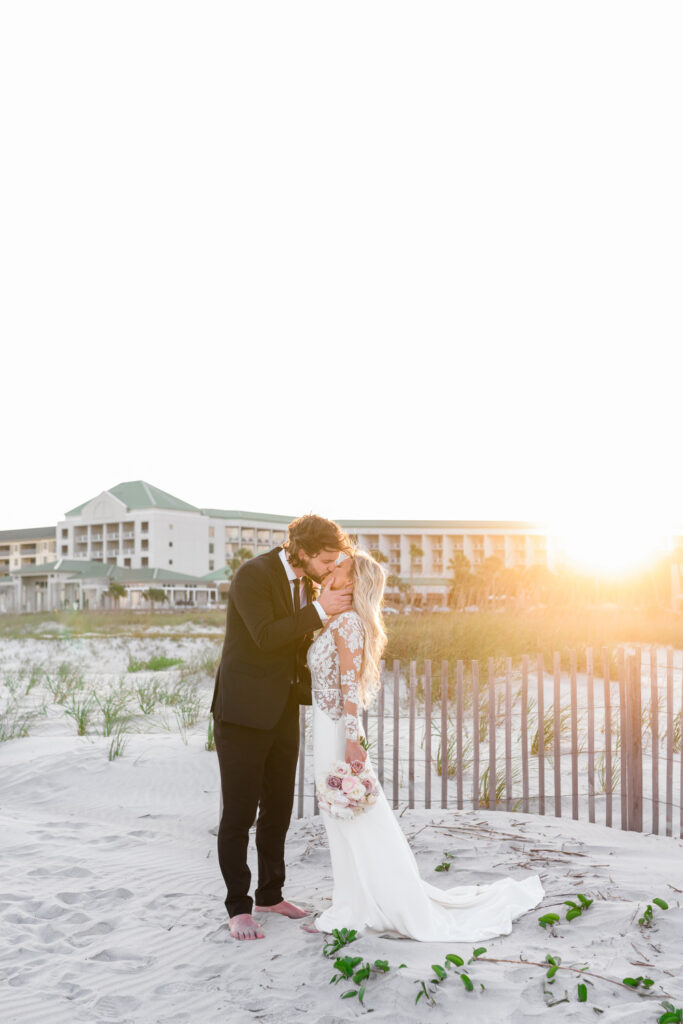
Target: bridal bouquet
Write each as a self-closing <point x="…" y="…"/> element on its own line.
<point x="347" y="789"/>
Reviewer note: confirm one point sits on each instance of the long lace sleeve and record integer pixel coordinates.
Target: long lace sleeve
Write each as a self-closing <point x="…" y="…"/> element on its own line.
<point x="348" y="636"/>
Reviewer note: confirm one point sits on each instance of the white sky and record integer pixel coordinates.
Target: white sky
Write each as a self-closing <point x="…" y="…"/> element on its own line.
<point x="451" y="232"/>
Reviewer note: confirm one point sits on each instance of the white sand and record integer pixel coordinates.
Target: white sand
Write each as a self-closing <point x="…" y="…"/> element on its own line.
<point x="111" y="901"/>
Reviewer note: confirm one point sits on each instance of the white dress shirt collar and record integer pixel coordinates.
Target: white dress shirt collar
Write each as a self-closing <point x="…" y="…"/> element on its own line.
<point x="291" y="575"/>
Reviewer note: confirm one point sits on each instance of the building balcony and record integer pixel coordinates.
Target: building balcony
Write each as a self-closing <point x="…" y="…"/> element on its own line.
<point x="112" y="536"/>
<point x="93" y="536"/>
<point x="129" y="535"/>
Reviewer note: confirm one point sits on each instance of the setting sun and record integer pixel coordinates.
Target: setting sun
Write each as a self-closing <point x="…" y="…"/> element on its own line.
<point x="612" y="547"/>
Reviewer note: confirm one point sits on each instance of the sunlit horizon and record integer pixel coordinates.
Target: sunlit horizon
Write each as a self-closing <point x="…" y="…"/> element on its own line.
<point x="615" y="547"/>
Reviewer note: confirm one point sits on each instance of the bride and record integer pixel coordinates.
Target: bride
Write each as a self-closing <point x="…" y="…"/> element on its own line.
<point x="377" y="884"/>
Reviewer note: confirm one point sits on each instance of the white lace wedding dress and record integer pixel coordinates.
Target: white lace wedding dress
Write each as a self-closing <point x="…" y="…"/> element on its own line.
<point x="377" y="884"/>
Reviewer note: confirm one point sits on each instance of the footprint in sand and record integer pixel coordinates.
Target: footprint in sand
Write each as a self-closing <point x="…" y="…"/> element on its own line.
<point x="123" y="960"/>
<point x="115" y="1007"/>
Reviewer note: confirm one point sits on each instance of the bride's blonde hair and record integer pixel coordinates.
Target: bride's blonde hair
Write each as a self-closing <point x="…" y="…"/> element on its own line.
<point x="368" y="591"/>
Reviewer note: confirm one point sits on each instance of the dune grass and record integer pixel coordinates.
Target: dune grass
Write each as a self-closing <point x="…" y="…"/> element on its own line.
<point x="112" y="622"/>
<point x="483" y="635"/>
<point x="157" y="663"/>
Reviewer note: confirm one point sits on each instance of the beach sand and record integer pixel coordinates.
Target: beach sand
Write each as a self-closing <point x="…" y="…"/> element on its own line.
<point x="111" y="900"/>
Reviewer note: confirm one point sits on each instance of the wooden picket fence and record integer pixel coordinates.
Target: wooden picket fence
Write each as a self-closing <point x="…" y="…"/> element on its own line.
<point x="531" y="740"/>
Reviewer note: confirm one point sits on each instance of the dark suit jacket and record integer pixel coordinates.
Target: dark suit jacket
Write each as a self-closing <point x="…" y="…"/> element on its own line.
<point x="265" y="646"/>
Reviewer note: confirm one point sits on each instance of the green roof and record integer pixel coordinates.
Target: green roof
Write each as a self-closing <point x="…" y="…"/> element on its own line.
<point x="261" y="517"/>
<point x="378" y="525"/>
<point x="148" y="575"/>
<point x="93" y="570"/>
<point x="75" y="566"/>
<point x="137" y="494"/>
<point x="32" y="533"/>
<point x="224" y="573"/>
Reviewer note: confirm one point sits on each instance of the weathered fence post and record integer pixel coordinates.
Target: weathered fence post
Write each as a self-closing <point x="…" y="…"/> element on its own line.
<point x="444" y="734"/>
<point x="475" y="735"/>
<point x="590" y="710"/>
<point x="525" y="734"/>
<point x="411" y="736"/>
<point x="458" y="719"/>
<point x="397" y="687"/>
<point x="508" y="734"/>
<point x="669" y="738"/>
<point x="623" y="824"/>
<point x="541" y="733"/>
<point x="608" y="736"/>
<point x="493" y="787"/>
<point x="428" y="734"/>
<point x="575" y="734"/>
<point x="634" y="747"/>
<point x="380" y="727"/>
<point x="654" y="749"/>
<point x="557" y="734"/>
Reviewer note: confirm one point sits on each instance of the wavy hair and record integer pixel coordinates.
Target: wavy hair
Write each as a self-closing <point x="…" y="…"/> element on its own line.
<point x="368" y="590"/>
<point x="315" y="534"/>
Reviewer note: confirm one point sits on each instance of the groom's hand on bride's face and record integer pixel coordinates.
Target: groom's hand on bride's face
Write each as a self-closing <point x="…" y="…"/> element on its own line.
<point x="335" y="602"/>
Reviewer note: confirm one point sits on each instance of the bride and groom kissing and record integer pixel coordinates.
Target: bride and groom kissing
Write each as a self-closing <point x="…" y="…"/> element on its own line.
<point x="304" y="626"/>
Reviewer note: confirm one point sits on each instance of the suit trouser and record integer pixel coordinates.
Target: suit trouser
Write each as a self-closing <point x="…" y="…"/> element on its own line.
<point x="258" y="769"/>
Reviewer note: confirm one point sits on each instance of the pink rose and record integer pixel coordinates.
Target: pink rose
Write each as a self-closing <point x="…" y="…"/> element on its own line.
<point x="334" y="782"/>
<point x="348" y="784"/>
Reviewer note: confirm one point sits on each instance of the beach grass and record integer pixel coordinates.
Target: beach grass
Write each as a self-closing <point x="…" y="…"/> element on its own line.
<point x="469" y="636"/>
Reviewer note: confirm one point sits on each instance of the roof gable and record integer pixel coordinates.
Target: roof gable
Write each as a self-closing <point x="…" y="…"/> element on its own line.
<point x="131" y="495"/>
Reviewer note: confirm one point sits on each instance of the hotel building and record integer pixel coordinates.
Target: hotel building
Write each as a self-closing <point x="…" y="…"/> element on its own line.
<point x="136" y="534"/>
<point x="22" y="548"/>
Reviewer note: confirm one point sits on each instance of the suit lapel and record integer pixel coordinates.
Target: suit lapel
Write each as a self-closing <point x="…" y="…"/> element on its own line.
<point x="284" y="587"/>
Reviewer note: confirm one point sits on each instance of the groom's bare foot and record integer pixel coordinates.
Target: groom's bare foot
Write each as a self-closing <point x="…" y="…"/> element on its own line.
<point x="243" y="926"/>
<point x="285" y="908"/>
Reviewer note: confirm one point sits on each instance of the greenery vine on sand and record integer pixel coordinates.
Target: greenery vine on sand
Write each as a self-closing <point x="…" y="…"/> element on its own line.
<point x="358" y="971"/>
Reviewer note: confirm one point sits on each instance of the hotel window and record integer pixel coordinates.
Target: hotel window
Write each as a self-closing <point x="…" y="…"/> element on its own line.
<point x="126" y="562"/>
<point x="210" y="566"/>
<point x="144" y="527"/>
<point x="170" y="543"/>
<point x="145" y="562"/>
<point x="210" y="549"/>
<point x="65" y="534"/>
<point x="211" y="531"/>
<point x="170" y="561"/>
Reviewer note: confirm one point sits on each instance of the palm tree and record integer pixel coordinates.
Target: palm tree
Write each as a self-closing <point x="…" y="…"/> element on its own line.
<point x="394" y="582"/>
<point x="378" y="555"/>
<point x="416" y="554"/>
<point x="489" y="570"/>
<point x="154" y="594"/>
<point x="460" y="567"/>
<point x="116" y="592"/>
<point x="240" y="556"/>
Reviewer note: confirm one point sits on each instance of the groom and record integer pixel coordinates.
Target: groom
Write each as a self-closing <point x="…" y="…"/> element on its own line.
<point x="261" y="680"/>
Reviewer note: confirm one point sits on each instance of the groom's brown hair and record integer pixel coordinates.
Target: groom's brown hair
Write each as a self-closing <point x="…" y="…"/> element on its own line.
<point x="315" y="534"/>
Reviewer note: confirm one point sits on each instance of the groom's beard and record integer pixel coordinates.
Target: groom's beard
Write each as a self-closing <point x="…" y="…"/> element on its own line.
<point x="316" y="577"/>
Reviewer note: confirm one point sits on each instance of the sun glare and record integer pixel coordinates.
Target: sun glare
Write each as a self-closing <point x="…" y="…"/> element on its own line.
<point x="612" y="548"/>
